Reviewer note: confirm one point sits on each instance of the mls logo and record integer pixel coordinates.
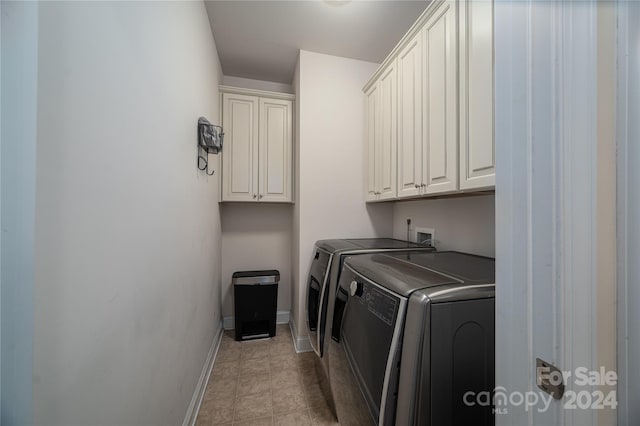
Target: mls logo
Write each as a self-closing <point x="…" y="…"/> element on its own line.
<point x="498" y="411"/>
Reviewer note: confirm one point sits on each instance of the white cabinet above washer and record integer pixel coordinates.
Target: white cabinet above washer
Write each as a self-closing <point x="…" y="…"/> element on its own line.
<point x="381" y="136"/>
<point x="477" y="146"/>
<point x="444" y="106"/>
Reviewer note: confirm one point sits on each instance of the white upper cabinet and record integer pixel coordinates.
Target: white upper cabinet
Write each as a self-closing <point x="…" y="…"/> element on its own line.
<point x="240" y="147"/>
<point x="442" y="107"/>
<point x="381" y="136"/>
<point x="477" y="147"/>
<point x="387" y="142"/>
<point x="275" y="150"/>
<point x="410" y="117"/>
<point x="440" y="153"/>
<point x="371" y="138"/>
<point x="257" y="153"/>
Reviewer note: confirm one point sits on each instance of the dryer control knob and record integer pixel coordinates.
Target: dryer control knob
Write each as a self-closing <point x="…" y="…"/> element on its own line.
<point x="356" y="288"/>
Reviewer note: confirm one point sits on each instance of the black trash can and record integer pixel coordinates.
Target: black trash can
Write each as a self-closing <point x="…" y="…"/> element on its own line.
<point x="256" y="300"/>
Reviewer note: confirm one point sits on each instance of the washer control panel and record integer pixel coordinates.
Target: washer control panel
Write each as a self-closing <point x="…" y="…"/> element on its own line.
<point x="379" y="303"/>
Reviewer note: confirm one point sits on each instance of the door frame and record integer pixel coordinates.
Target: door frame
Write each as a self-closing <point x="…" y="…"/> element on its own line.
<point x="555" y="200"/>
<point x="628" y="209"/>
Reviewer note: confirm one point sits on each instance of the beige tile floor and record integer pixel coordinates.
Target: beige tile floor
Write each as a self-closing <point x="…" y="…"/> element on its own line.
<point x="263" y="382"/>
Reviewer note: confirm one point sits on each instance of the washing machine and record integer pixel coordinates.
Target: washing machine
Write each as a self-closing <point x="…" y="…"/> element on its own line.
<point x="324" y="273"/>
<point x="411" y="335"/>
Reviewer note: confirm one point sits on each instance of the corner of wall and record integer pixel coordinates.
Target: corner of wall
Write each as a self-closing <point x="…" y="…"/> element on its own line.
<point x="330" y="203"/>
<point x="295" y="234"/>
<point x="301" y="343"/>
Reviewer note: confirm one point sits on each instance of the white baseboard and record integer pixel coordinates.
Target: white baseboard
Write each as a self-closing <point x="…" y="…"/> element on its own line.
<point x="282" y="317"/>
<point x="301" y="344"/>
<point x="196" y="399"/>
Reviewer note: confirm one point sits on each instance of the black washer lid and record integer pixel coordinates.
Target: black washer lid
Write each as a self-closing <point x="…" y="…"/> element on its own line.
<point x="468" y="268"/>
<point x="405" y="272"/>
<point x="397" y="276"/>
<point x="384" y="243"/>
<point x="336" y="245"/>
<point x="342" y="245"/>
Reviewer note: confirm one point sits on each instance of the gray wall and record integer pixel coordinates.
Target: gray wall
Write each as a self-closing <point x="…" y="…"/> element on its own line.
<point x="127" y="242"/>
<point x="464" y="224"/>
<point x="256" y="237"/>
<point x="18" y="188"/>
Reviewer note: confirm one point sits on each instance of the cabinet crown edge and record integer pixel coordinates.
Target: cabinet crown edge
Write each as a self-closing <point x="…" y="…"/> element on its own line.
<point x="407" y="37"/>
<point x="256" y="92"/>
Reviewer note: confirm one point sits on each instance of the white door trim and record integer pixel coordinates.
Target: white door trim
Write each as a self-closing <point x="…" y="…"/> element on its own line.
<point x="628" y="209"/>
<point x="555" y="279"/>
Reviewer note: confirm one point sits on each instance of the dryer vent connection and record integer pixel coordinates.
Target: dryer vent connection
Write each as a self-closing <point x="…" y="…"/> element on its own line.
<point x="426" y="236"/>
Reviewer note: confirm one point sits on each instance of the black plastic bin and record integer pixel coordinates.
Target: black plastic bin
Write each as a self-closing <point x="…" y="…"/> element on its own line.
<point x="256" y="300"/>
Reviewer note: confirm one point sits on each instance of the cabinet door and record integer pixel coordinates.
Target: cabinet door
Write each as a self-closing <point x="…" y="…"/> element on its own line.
<point x="410" y="118"/>
<point x="371" y="191"/>
<point x="240" y="155"/>
<point x="275" y="140"/>
<point x="477" y="147"/>
<point x="440" y="153"/>
<point x="387" y="141"/>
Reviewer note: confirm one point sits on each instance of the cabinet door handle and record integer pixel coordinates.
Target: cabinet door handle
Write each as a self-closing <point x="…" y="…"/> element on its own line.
<point x="416" y="185"/>
<point x="254" y="196"/>
<point x="423" y="184"/>
<point x="260" y="197"/>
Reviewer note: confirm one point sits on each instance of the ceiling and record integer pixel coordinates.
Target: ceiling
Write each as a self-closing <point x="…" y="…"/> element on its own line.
<point x="261" y="39"/>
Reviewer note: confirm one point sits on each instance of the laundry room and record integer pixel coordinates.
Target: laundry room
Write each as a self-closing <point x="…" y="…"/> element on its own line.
<point x="318" y="212"/>
<point x="329" y="136"/>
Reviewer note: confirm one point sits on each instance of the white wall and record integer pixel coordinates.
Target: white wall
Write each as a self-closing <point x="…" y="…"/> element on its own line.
<point x="127" y="277"/>
<point x="249" y="83"/>
<point x="256" y="237"/>
<point x="331" y="161"/>
<point x="464" y="224"/>
<point x="19" y="65"/>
